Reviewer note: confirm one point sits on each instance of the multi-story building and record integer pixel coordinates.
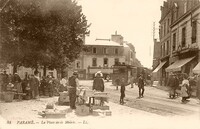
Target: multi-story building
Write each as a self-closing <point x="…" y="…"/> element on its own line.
<point x="165" y="42"/>
<point x="102" y="55"/>
<point x="179" y="43"/>
<point x="185" y="37"/>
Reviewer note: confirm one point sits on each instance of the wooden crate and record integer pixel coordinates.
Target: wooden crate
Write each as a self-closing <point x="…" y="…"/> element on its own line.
<point x="82" y="110"/>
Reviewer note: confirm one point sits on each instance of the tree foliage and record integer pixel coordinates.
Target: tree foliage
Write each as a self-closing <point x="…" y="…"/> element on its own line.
<point x="42" y="32"/>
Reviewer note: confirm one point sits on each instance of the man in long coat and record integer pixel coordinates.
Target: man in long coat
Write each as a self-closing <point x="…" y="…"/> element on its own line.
<point x="198" y="87"/>
<point x="34" y="85"/>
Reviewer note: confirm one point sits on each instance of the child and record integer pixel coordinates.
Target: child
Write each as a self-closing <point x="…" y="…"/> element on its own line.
<point x="122" y="91"/>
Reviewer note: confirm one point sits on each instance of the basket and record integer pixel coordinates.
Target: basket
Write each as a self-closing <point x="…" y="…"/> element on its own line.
<point x="9" y="96"/>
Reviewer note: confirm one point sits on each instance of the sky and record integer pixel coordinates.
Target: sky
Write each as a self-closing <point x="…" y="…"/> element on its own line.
<point x="133" y="19"/>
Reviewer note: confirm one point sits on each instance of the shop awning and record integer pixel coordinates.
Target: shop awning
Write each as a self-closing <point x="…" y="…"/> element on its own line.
<point x="197" y="68"/>
<point x="176" y="66"/>
<point x="159" y="66"/>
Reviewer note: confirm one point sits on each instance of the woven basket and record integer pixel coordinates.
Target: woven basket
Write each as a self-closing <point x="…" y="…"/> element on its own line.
<point x="9" y="96"/>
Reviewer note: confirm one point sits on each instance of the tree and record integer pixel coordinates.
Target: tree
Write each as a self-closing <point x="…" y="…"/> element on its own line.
<point x="45" y="33"/>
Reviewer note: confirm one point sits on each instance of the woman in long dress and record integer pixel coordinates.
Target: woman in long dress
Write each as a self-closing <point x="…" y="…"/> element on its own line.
<point x="184" y="89"/>
<point x="198" y="87"/>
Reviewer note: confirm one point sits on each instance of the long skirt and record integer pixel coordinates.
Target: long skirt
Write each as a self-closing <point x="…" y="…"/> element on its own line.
<point x="184" y="92"/>
<point x="18" y="86"/>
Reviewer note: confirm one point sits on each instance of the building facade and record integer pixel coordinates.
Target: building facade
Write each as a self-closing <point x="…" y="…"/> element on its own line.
<point x="179" y="38"/>
<point x="102" y="54"/>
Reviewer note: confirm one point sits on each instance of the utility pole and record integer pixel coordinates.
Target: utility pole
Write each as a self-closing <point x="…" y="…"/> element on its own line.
<point x="153" y="30"/>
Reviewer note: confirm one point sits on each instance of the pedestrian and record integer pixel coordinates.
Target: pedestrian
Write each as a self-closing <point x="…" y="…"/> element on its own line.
<point x="141" y="86"/>
<point x="122" y="90"/>
<point x="98" y="83"/>
<point x="184" y="89"/>
<point x="198" y="87"/>
<point x="34" y="86"/>
<point x="73" y="84"/>
<point x="132" y="81"/>
<point x="1" y="85"/>
<point x="5" y="79"/>
<point x="192" y="84"/>
<point x="63" y="84"/>
<point x="25" y="83"/>
<point x="173" y="84"/>
<point x="43" y="85"/>
<point x="16" y="80"/>
<point x="50" y="85"/>
<point x="25" y="87"/>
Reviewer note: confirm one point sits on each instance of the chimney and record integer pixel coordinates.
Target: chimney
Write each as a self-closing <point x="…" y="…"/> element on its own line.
<point x="117" y="38"/>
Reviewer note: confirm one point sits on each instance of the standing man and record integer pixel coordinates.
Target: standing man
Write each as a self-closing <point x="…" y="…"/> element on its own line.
<point x="73" y="84"/>
<point x="132" y="81"/>
<point x="122" y="91"/>
<point x="16" y="80"/>
<point x="173" y="84"/>
<point x="34" y="86"/>
<point x="141" y="86"/>
<point x="5" y="79"/>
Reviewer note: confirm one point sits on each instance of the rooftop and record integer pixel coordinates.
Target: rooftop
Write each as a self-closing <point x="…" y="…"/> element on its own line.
<point x="103" y="42"/>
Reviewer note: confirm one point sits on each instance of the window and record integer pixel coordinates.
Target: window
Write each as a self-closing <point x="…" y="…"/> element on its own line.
<point x="94" y="62"/>
<point x="94" y="50"/>
<point x="174" y="42"/>
<point x="105" y="62"/>
<point x="183" y="37"/>
<point x="185" y="7"/>
<point x="116" y="61"/>
<point x="78" y="66"/>
<point x="164" y="49"/>
<point x="105" y="50"/>
<point x="167" y="48"/>
<point x="194" y="31"/>
<point x="116" y="50"/>
<point x="168" y="24"/>
<point x="161" y="51"/>
<point x="164" y="28"/>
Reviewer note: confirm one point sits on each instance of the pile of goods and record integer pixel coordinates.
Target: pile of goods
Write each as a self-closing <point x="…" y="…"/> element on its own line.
<point x="52" y="112"/>
<point x="63" y="98"/>
<point x="98" y="106"/>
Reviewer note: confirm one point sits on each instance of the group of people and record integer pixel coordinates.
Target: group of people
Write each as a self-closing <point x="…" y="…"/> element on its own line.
<point x="185" y="84"/>
<point x="140" y="83"/>
<point x="30" y="87"/>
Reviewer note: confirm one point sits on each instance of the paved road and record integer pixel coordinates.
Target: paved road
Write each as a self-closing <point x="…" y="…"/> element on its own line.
<point x="154" y="101"/>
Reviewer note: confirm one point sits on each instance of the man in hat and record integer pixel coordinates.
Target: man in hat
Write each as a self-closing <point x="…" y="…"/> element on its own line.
<point x="16" y="80"/>
<point x="141" y="86"/>
<point x="73" y="84"/>
<point x="5" y="80"/>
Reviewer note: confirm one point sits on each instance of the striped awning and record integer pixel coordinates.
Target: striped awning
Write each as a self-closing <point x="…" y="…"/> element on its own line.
<point x="159" y="66"/>
<point x="197" y="68"/>
<point x="176" y="66"/>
